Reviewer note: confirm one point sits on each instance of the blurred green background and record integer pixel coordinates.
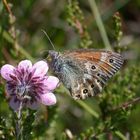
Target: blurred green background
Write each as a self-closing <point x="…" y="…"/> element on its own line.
<point x="101" y="117"/>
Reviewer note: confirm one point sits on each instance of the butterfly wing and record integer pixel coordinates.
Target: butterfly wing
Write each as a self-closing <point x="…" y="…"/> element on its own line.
<point x="94" y="69"/>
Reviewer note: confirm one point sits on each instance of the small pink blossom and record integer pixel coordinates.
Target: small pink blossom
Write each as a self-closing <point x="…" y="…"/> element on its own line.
<point x="29" y="84"/>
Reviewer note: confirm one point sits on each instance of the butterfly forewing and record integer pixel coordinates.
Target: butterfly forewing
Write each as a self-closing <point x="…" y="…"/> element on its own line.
<point x="89" y="70"/>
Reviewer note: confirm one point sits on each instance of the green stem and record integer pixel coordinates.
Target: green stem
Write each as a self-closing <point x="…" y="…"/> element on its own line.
<point x="89" y="109"/>
<point x="100" y="24"/>
<point x="25" y="53"/>
<point x="120" y="135"/>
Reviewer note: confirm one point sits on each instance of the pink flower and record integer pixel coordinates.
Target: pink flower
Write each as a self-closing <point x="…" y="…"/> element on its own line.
<point x="28" y="84"/>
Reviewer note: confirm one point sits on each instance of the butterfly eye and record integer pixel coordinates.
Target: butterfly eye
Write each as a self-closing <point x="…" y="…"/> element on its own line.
<point x="93" y="67"/>
<point x="111" y="60"/>
<point x="85" y="91"/>
<point x="98" y="74"/>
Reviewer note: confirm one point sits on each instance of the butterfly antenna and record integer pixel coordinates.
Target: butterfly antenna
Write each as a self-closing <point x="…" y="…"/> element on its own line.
<point x="48" y="38"/>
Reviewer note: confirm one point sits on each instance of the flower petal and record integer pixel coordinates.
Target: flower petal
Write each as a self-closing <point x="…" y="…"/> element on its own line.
<point x="10" y="90"/>
<point x="25" y="64"/>
<point x="34" y="105"/>
<point x="51" y="82"/>
<point x="14" y="104"/>
<point x="6" y="71"/>
<point x="48" y="99"/>
<point x="41" y="68"/>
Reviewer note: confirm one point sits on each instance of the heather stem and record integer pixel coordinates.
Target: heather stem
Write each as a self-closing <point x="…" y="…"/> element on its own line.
<point x="18" y="123"/>
<point x="100" y="24"/>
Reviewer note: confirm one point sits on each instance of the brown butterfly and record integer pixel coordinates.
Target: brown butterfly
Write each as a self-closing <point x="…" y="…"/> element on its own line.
<point x="84" y="72"/>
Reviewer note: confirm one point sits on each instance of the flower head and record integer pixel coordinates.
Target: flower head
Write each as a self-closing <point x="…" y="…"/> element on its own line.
<point x="28" y="84"/>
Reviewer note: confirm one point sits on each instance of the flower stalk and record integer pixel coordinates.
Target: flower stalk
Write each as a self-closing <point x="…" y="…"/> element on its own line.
<point x="18" y="127"/>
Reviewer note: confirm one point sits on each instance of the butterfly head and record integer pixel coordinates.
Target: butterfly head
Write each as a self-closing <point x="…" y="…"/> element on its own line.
<point x="53" y="59"/>
<point x="53" y="54"/>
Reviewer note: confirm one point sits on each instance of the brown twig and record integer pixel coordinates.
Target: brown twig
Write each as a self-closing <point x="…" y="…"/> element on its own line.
<point x="127" y="104"/>
<point x="12" y="30"/>
<point x="7" y="7"/>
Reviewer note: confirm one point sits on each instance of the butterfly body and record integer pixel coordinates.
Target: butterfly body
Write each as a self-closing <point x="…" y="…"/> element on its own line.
<point x="85" y="72"/>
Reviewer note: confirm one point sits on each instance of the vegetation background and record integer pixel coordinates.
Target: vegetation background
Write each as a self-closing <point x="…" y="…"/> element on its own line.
<point x="71" y="24"/>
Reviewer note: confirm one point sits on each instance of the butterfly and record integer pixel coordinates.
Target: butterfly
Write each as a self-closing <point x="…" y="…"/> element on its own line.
<point x="84" y="72"/>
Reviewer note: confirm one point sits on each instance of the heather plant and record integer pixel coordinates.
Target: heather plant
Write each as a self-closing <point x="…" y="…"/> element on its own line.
<point x="33" y="104"/>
